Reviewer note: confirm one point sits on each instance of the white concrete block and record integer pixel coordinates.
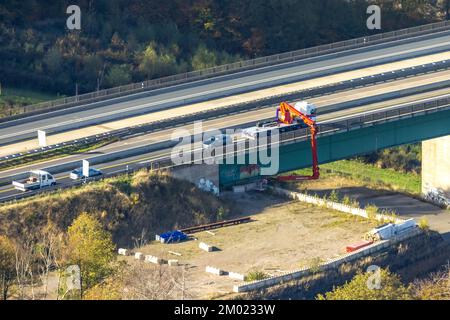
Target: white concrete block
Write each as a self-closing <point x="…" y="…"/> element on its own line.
<point x="205" y="247"/>
<point x="237" y="276"/>
<point x="153" y="259"/>
<point x="123" y="252"/>
<point x="173" y="263"/>
<point x="139" y="256"/>
<point x="215" y="271"/>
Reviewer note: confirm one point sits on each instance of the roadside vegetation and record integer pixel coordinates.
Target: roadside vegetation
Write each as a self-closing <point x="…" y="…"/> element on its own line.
<point x="122" y="42"/>
<point x="406" y="158"/>
<point x="126" y="205"/>
<point x="387" y="177"/>
<point x="256" y="275"/>
<point x="371" y="176"/>
<point x="386" y="285"/>
<point x="12" y="100"/>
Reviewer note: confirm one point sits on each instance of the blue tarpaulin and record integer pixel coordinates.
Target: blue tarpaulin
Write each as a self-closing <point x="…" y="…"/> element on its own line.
<point x="171" y="236"/>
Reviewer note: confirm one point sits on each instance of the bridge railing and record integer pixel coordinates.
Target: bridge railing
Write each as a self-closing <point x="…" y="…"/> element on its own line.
<point x="371" y="118"/>
<point x="368" y="119"/>
<point x="230" y="68"/>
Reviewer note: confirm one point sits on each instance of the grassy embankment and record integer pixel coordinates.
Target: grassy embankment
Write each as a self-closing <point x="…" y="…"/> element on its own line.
<point x="12" y="100"/>
<point x="128" y="206"/>
<point x="370" y="176"/>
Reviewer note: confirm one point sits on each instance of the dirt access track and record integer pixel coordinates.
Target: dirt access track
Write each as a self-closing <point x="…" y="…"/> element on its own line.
<point x="284" y="236"/>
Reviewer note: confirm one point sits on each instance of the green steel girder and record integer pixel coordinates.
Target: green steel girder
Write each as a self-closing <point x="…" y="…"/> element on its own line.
<point x="349" y="144"/>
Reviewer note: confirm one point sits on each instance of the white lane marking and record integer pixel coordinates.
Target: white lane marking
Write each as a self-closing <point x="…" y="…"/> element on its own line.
<point x="387" y="108"/>
<point x="264" y="80"/>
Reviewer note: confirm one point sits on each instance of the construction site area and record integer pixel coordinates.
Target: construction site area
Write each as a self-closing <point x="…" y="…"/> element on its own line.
<point x="282" y="235"/>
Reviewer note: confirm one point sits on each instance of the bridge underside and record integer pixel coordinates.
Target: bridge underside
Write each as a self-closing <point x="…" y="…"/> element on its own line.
<point x="347" y="144"/>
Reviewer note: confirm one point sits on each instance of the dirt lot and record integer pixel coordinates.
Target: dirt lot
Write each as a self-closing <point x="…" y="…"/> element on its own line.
<point x="283" y="236"/>
<point x="404" y="205"/>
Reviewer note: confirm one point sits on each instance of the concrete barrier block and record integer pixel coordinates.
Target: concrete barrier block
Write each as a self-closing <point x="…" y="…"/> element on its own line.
<point x="237" y="276"/>
<point x="123" y="252"/>
<point x="173" y="263"/>
<point x="206" y="247"/>
<point x="153" y="259"/>
<point x="215" y="271"/>
<point x="139" y="256"/>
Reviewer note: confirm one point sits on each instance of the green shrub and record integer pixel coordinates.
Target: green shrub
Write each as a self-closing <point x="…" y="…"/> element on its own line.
<point x="314" y="265"/>
<point x="255" y="275"/>
<point x="334" y="196"/>
<point x="346" y="201"/>
<point x="372" y="211"/>
<point x="423" y="224"/>
<point x="391" y="288"/>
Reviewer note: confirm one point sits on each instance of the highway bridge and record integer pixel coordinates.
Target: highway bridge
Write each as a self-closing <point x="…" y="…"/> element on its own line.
<point x="102" y="116"/>
<point x="362" y="107"/>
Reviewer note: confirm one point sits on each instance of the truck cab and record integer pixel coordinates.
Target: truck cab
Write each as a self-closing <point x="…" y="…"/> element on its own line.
<point x="308" y="109"/>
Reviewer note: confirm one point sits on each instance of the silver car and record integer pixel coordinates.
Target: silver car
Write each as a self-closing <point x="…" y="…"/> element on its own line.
<point x="78" y="173"/>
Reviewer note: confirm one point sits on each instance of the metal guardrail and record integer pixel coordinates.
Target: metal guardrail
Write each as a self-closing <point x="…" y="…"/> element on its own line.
<point x="357" y="122"/>
<point x="160" y="165"/>
<point x="234" y="67"/>
<point x="370" y="118"/>
<point x="246" y="106"/>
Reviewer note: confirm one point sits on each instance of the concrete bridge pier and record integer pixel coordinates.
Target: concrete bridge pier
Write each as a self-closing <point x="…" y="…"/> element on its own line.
<point x="204" y="176"/>
<point x="436" y="170"/>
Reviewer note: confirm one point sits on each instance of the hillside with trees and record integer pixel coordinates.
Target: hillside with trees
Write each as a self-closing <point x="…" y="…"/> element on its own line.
<point x="83" y="227"/>
<point x="127" y="41"/>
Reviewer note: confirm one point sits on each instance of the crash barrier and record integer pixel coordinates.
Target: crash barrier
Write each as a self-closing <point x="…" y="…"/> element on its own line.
<point x="231" y="68"/>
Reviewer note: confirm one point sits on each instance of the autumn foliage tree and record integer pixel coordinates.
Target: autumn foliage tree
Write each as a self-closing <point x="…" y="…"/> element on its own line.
<point x="140" y="39"/>
<point x="7" y="266"/>
<point x="91" y="248"/>
<point x="390" y="288"/>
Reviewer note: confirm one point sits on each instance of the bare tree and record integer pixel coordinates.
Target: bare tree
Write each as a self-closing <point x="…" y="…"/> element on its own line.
<point x="141" y="241"/>
<point x="48" y="255"/>
<point x="24" y="267"/>
<point x="145" y="281"/>
<point x="435" y="287"/>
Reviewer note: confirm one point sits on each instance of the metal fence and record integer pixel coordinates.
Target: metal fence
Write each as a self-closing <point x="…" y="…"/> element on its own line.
<point x="234" y="67"/>
<point x="247" y="106"/>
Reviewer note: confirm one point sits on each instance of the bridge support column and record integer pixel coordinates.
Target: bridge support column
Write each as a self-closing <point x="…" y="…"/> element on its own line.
<point x="436" y="170"/>
<point x="204" y="176"/>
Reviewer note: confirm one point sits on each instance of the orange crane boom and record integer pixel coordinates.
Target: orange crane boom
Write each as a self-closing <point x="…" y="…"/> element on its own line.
<point x="287" y="115"/>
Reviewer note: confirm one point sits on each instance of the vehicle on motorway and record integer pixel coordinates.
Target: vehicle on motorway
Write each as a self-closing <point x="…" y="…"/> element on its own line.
<point x="38" y="179"/>
<point x="284" y="121"/>
<point x="217" y="141"/>
<point x="78" y="173"/>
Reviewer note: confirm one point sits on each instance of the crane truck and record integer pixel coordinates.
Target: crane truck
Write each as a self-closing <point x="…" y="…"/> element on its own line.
<point x="289" y="118"/>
